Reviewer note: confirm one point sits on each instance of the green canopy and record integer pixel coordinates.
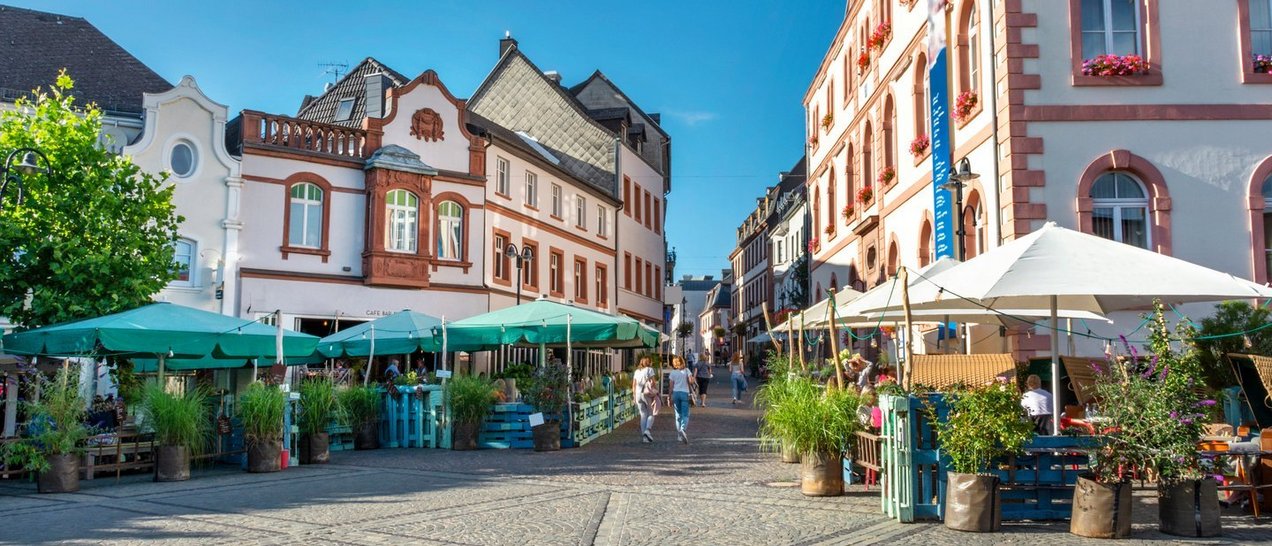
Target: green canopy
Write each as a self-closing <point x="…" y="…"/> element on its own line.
<point x="401" y="333"/>
<point x="544" y="322"/>
<point x="161" y="329"/>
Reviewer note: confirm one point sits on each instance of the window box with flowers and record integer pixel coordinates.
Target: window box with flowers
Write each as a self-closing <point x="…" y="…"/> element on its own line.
<point x="1262" y="64"/>
<point x="919" y="146"/>
<point x="830" y="230"/>
<point x="1115" y="65"/>
<point x="879" y="37"/>
<point x="886" y="176"/>
<point x="814" y="244"/>
<point x="812" y="140"/>
<point x="863" y="61"/>
<point x="847" y="213"/>
<point x="827" y="120"/>
<point x="865" y="195"/>
<point x="966" y="106"/>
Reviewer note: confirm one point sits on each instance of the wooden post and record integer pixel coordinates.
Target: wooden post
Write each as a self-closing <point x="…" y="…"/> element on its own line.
<point x="834" y="342"/>
<point x="802" y="366"/>
<point x="902" y="373"/>
<point x="790" y="339"/>
<point x="768" y="327"/>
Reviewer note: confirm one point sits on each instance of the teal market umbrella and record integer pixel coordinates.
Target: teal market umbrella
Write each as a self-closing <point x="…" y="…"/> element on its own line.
<point x="548" y="324"/>
<point x="403" y="332"/>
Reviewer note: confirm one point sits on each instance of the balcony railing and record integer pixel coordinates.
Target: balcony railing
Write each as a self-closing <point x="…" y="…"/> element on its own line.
<point x="303" y="135"/>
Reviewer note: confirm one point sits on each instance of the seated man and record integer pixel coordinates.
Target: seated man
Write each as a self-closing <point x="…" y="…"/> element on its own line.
<point x="1037" y="403"/>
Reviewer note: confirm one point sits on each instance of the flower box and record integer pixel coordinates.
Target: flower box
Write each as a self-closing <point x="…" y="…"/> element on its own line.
<point x="1262" y="64"/>
<point x="879" y="37"/>
<point x="863" y="61"/>
<point x="827" y="120"/>
<point x="830" y="230"/>
<point x="814" y="245"/>
<point x="812" y="140"/>
<point x="964" y="106"/>
<point x="865" y="195"/>
<point x="1115" y="65"/>
<point x="886" y="176"/>
<point x="919" y="146"/>
<point x="847" y="212"/>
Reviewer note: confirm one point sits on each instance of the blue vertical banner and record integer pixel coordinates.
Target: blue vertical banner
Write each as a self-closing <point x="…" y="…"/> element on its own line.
<point x="938" y="97"/>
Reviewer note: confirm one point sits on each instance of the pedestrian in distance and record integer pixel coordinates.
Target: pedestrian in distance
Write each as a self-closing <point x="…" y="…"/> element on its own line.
<point x="737" y="374"/>
<point x="645" y="392"/>
<point x="681" y="381"/>
<point x="703" y="374"/>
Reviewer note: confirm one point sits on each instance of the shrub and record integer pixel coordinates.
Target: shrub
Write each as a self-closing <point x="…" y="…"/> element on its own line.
<point x="984" y="423"/>
<point x="361" y="405"/>
<point x="179" y="419"/>
<point x="317" y="405"/>
<point x="57" y="423"/>
<point x="808" y="419"/>
<point x="261" y="408"/>
<point x="469" y="398"/>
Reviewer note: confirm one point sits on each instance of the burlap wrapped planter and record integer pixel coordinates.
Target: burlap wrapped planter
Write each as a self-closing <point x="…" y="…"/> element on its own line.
<point x="972" y="503"/>
<point x="1101" y="510"/>
<point x="1189" y="508"/>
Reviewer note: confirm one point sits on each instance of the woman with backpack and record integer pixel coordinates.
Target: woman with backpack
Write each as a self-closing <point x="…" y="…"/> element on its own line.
<point x="645" y="393"/>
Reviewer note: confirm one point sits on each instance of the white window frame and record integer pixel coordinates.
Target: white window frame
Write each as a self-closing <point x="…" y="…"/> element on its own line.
<point x="401" y="222"/>
<point x="973" y="49"/>
<point x="602" y="221"/>
<point x="554" y="271"/>
<point x="192" y="262"/>
<point x="450" y="229"/>
<point x="501" y="176"/>
<point x="307" y="215"/>
<point x="1108" y="32"/>
<point x="1122" y="203"/>
<point x="1266" y="29"/>
<point x="580" y="211"/>
<point x="501" y="262"/>
<point x="532" y="189"/>
<point x="348" y="115"/>
<point x="556" y="200"/>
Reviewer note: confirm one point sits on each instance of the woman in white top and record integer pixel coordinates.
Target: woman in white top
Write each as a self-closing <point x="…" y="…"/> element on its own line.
<point x="645" y="393"/>
<point x="680" y="379"/>
<point x="737" y="372"/>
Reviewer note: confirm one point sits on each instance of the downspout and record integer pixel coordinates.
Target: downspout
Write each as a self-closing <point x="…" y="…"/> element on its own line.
<point x="618" y="214"/>
<point x="993" y="107"/>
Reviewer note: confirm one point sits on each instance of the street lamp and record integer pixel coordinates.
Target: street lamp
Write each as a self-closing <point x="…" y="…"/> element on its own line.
<point x="526" y="254"/>
<point x="962" y="176"/>
<point x="10" y="173"/>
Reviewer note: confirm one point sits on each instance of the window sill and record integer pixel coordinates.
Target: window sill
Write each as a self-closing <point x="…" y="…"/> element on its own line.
<point x="580" y="300"/>
<point x="1082" y="80"/>
<point x="503" y="195"/>
<point x="919" y="159"/>
<point x="286" y="250"/>
<point x="501" y="282"/>
<point x="556" y="294"/>
<point x="976" y="110"/>
<point x="560" y="219"/>
<point x="452" y="263"/>
<point x="581" y="228"/>
<point x="184" y="288"/>
<point x="532" y="207"/>
<point x="1256" y="77"/>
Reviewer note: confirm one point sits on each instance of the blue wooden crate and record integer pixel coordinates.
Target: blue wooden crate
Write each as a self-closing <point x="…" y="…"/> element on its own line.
<point x="339" y="437"/>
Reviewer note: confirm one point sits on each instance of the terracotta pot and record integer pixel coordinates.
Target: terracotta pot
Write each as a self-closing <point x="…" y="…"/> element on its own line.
<point x="789" y="454"/>
<point x="62" y="475"/>
<point x="172" y="464"/>
<point x="315" y="448"/>
<point x="264" y="456"/>
<point x="367" y="436"/>
<point x="465" y="436"/>
<point x="972" y="503"/>
<point x="547" y="437"/>
<point x="1189" y="509"/>
<point x="1101" y="510"/>
<point x="821" y="474"/>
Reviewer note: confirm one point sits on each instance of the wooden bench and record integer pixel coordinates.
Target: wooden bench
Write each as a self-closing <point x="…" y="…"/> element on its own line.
<point x="130" y="453"/>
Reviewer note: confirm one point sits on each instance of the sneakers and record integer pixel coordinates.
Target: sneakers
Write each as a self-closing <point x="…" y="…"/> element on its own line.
<point x="648" y="437"/>
<point x="684" y="437"/>
<point x="645" y="439"/>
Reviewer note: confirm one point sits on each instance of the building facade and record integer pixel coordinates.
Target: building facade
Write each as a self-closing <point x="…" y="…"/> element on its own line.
<point x="788" y="244"/>
<point x="716" y="318"/>
<point x="687" y="308"/>
<point x="1163" y="155"/>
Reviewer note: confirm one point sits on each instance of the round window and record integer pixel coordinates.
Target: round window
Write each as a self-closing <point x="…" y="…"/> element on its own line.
<point x="182" y="160"/>
<point x="871" y="257"/>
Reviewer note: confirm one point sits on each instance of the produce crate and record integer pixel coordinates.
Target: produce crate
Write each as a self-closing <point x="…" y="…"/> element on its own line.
<point x="339" y="437"/>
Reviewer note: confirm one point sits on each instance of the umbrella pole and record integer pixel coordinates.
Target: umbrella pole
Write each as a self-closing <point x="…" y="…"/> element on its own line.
<point x="904" y="275"/>
<point x="569" y="373"/>
<point x="834" y="343"/>
<point x="1055" y="368"/>
<point x="802" y="366"/>
<point x="768" y="327"/>
<point x="366" y="377"/>
<point x="162" y="357"/>
<point x="790" y="340"/>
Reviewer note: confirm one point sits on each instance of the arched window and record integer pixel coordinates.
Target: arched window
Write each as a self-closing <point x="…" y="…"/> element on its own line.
<point x="867" y="170"/>
<point x="816" y="216"/>
<point x="969" y="49"/>
<point x="975" y="238"/>
<point x="450" y="231"/>
<point x="402" y="227"/>
<point x="892" y="258"/>
<point x="889" y="134"/>
<point x="830" y="200"/>
<point x="183" y="262"/>
<point x="1119" y="209"/>
<point x="925" y="243"/>
<point x="849" y="183"/>
<point x="1267" y="222"/>
<point x="305" y="216"/>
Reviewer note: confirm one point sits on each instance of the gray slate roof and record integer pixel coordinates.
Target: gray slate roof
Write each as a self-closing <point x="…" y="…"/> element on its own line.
<point x="517" y="96"/>
<point x="353" y="85"/>
<point x="698" y="285"/>
<point x="35" y="45"/>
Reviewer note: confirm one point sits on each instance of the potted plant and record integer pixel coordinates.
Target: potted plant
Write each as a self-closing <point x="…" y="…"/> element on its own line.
<point x="887" y="175"/>
<point x="56" y="433"/>
<point x="964" y="105"/>
<point x="1114" y="65"/>
<point x="772" y="394"/>
<point x="847" y="212"/>
<point x="830" y="230"/>
<point x="814" y="244"/>
<point x="469" y="398"/>
<point x="317" y="408"/>
<point x="1262" y="64"/>
<point x="984" y="423"/>
<point x="812" y="140"/>
<point x="827" y="120"/>
<point x="863" y="61"/>
<point x="546" y="393"/>
<point x="919" y="146"/>
<point x="362" y="406"/>
<point x="510" y="375"/>
<point x="879" y="37"/>
<point x="865" y="195"/>
<point x="261" y="409"/>
<point x="718" y="332"/>
<point x="182" y="426"/>
<point x="817" y="424"/>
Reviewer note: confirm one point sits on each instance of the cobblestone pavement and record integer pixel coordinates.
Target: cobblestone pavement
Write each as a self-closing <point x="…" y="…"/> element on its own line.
<point x="717" y="490"/>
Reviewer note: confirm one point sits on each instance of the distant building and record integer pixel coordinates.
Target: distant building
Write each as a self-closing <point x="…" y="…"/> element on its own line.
<point x="688" y="308"/>
<point x="716" y="318"/>
<point x="788" y="244"/>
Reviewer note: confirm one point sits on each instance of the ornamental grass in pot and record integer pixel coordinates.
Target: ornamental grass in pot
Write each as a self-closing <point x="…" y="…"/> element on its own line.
<point x="182" y="425"/>
<point x="317" y="407"/>
<point x="56" y="434"/>
<point x="469" y="398"/>
<point x="817" y="423"/>
<point x="261" y="409"/>
<point x="771" y="393"/>
<point x="984" y="423"/>
<point x="546" y="391"/>
<point x="362" y="406"/>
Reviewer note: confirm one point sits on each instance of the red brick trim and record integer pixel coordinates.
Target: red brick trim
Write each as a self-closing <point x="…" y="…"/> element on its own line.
<point x="278" y="152"/>
<point x="1147" y="112"/>
<point x="1158" y="194"/>
<point x="497" y="255"/>
<point x="926" y="243"/>
<point x="1255" y="203"/>
<point x="1150" y="35"/>
<point x="1248" y="75"/>
<point x="324" y="249"/>
<point x="579" y="273"/>
<point x="602" y="285"/>
<point x="532" y="267"/>
<point x="560" y="272"/>
<point x="465" y="261"/>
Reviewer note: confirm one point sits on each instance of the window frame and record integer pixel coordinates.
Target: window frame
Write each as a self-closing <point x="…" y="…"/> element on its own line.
<point x="580" y="212"/>
<point x="192" y="262"/>
<point x="556" y="272"/>
<point x="1246" y="39"/>
<point x="602" y="220"/>
<point x="501" y="265"/>
<point x="532" y="190"/>
<point x="556" y="201"/>
<point x="411" y="231"/>
<point x="502" y="177"/>
<point x="602" y="285"/>
<point x="306" y="202"/>
<point x="530" y="270"/>
<point x="348" y="115"/>
<point x="441" y="228"/>
<point x="1149" y="43"/>
<point x="580" y="279"/>
<point x="1118" y="204"/>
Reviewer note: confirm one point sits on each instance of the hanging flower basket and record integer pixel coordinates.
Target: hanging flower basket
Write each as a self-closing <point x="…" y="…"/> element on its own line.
<point x="886" y="176"/>
<point x="847" y="212"/>
<point x="920" y="145"/>
<point x="863" y="61"/>
<point x="865" y="195"/>
<point x="827" y="120"/>
<point x="814" y="244"/>
<point x="964" y="105"/>
<point x="1115" y="65"/>
<point x="880" y="36"/>
<point x="1262" y="64"/>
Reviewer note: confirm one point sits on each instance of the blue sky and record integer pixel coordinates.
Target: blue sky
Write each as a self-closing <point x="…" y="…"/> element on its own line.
<point x="728" y="76"/>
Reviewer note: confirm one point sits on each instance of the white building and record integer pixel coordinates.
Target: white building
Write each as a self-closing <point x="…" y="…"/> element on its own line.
<point x="688" y="300"/>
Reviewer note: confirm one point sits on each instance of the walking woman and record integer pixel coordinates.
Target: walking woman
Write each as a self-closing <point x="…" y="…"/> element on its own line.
<point x="645" y="393"/>
<point x="680" y="379"/>
<point x="703" y="373"/>
<point x="737" y="374"/>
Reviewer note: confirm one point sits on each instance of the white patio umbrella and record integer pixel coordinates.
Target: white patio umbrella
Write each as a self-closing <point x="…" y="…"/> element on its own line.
<point x="815" y="315"/>
<point x="1059" y="268"/>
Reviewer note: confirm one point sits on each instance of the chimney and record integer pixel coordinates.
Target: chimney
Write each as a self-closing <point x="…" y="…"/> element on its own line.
<point x="376" y="84"/>
<point x="508" y="42"/>
<point x="554" y="76"/>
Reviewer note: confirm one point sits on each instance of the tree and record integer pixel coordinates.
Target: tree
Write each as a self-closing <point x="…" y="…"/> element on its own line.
<point x="93" y="237"/>
<point x="1221" y="333"/>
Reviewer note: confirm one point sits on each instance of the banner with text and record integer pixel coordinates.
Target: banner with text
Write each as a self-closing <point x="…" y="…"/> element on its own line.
<point x="938" y="96"/>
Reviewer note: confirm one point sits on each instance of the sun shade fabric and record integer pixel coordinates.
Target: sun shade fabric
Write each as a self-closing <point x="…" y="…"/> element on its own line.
<point x="940" y="372"/>
<point x="161" y="328"/>
<point x="403" y="332"/>
<point x="543" y="322"/>
<point x="1082" y="376"/>
<point x="1255" y="380"/>
<point x="817" y="314"/>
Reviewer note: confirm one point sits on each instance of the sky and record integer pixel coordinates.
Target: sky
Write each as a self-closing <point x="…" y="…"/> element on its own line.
<point x="728" y="77"/>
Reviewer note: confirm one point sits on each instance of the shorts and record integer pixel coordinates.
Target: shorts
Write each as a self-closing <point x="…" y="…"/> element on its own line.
<point x="703" y="383"/>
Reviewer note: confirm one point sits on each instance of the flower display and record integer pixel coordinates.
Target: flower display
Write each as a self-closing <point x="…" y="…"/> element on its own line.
<point x="863" y="61"/>
<point x="827" y="120"/>
<point x="964" y="105"/>
<point x="887" y="175"/>
<point x="812" y="140"/>
<point x="830" y="230"/>
<point x="920" y="145"/>
<point x="814" y="244"/>
<point x="865" y="195"/>
<point x="1115" y="65"/>
<point x="880" y="36"/>
<point x="1262" y="63"/>
<point x="847" y="212"/>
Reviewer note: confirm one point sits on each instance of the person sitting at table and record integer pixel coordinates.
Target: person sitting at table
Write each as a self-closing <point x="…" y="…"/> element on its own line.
<point x="1037" y="403"/>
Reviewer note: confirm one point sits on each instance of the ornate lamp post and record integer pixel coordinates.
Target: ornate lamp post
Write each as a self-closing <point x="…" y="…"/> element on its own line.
<point x="526" y="254"/>
<point x="960" y="178"/>
<point x="12" y="174"/>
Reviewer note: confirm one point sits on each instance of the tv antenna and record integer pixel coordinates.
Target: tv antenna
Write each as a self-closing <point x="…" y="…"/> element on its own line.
<point x="335" y="69"/>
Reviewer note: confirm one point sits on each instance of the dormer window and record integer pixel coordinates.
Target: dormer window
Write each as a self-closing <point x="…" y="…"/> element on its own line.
<point x="344" y="110"/>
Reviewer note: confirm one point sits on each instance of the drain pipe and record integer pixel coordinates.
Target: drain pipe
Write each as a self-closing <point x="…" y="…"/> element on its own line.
<point x="993" y="105"/>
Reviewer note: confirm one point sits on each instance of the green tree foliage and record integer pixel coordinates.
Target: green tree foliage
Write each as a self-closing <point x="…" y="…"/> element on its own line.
<point x="1231" y="317"/>
<point x="94" y="237"/>
<point x="985" y="423"/>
